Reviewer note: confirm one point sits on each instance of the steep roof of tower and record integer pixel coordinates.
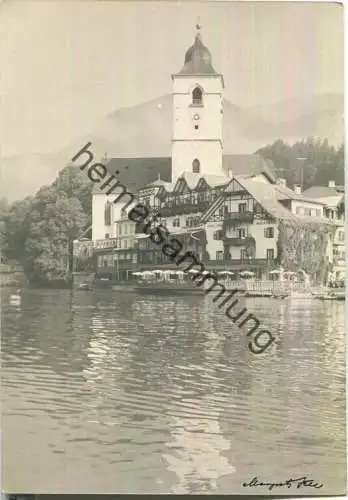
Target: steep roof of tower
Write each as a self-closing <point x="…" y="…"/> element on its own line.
<point x="198" y="60"/>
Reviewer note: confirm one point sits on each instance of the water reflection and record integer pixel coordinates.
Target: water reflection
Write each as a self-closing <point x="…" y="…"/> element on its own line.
<point x="149" y="394"/>
<point x="197" y="447"/>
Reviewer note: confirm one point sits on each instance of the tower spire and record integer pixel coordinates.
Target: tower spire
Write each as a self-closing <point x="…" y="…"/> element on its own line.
<point x="198" y="28"/>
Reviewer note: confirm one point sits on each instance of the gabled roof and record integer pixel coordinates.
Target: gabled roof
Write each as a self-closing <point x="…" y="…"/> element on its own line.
<point x="249" y="165"/>
<point x="323" y="191"/>
<point x="331" y="197"/>
<point x="286" y="193"/>
<point x="168" y="186"/>
<point x="190" y="178"/>
<point x="267" y="195"/>
<point x="216" y="180"/>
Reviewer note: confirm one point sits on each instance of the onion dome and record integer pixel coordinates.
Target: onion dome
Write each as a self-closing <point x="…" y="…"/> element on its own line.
<point x="198" y="59"/>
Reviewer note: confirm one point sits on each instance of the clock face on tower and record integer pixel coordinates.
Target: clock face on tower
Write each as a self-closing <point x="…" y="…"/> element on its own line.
<point x="196" y="117"/>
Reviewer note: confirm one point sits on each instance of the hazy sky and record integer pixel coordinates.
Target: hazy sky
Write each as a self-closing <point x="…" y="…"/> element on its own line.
<point x="67" y="64"/>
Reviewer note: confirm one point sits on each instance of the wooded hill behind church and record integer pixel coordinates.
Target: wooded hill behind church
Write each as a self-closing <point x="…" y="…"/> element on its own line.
<point x="234" y="211"/>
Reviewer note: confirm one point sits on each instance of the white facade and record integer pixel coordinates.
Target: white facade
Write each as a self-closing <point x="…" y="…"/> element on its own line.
<point x="100" y="229"/>
<point x="197" y="124"/>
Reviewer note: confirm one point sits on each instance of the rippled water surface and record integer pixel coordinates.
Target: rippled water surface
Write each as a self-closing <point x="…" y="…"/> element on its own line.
<point x="110" y="392"/>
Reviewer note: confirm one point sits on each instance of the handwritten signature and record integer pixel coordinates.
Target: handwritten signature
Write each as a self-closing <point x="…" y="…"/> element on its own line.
<point x="300" y="482"/>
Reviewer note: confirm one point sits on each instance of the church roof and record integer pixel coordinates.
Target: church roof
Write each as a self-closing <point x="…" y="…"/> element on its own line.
<point x="198" y="60"/>
<point x="135" y="173"/>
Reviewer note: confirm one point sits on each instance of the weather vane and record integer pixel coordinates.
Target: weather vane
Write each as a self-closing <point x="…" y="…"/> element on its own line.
<point x="198" y="25"/>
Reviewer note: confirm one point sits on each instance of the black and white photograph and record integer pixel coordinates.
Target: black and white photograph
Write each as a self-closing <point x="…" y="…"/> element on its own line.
<point x="172" y="227"/>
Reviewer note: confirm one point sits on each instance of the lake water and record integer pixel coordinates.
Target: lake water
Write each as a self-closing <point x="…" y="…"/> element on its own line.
<point x="106" y="392"/>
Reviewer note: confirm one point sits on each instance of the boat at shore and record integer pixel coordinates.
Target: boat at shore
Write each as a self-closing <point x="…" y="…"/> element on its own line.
<point x="332" y="294"/>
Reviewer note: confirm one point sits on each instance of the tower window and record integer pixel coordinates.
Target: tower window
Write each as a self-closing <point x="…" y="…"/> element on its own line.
<point x="107" y="214"/>
<point x="197" y="96"/>
<point x="196" y="166"/>
<point x="196" y="127"/>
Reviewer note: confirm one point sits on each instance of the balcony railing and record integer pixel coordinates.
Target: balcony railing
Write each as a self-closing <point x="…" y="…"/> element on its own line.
<point x="238" y="242"/>
<point x="240" y="262"/>
<point x="184" y="208"/>
<point x="106" y="243"/>
<point x="231" y="217"/>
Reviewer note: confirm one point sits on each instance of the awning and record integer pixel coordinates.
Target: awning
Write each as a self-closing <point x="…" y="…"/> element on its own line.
<point x="141" y="236"/>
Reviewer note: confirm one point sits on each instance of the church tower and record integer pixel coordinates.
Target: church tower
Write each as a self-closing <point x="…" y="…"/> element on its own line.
<point x="197" y="114"/>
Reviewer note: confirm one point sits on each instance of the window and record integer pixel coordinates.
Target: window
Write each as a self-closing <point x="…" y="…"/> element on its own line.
<point x="243" y="254"/>
<point x="107" y="213"/>
<point x="120" y="229"/>
<point x="125" y="244"/>
<point x="307" y="211"/>
<point x="242" y="207"/>
<point x="197" y="95"/>
<point x="317" y="212"/>
<point x="196" y="166"/>
<point x="176" y="222"/>
<point x="196" y="127"/>
<point x="241" y="232"/>
<point x="298" y="210"/>
<point x="217" y="235"/>
<point x="341" y="236"/>
<point x="219" y="255"/>
<point x="105" y="263"/>
<point x="270" y="254"/>
<point x="107" y="236"/>
<point x="269" y="232"/>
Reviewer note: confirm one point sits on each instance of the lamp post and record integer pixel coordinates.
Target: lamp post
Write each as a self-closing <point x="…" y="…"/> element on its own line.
<point x="302" y="160"/>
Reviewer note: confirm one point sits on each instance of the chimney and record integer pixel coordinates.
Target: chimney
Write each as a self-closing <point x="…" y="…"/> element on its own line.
<point x="297" y="189"/>
<point x="332" y="184"/>
<point x="281" y="181"/>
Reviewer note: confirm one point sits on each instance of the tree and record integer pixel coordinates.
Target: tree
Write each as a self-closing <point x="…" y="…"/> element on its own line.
<point x="38" y="232"/>
<point x="320" y="162"/>
<point x="15" y="229"/>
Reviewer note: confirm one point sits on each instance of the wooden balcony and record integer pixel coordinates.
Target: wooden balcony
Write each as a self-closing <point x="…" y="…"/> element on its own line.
<point x="106" y="243"/>
<point x="184" y="208"/>
<point x="238" y="242"/>
<point x="238" y="217"/>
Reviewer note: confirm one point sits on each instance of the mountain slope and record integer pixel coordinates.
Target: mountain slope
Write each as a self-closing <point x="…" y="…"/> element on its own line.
<point x="146" y="130"/>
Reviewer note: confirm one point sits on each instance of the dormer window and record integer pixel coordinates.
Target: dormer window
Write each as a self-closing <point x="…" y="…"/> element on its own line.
<point x="197" y="97"/>
<point x="196" y="166"/>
